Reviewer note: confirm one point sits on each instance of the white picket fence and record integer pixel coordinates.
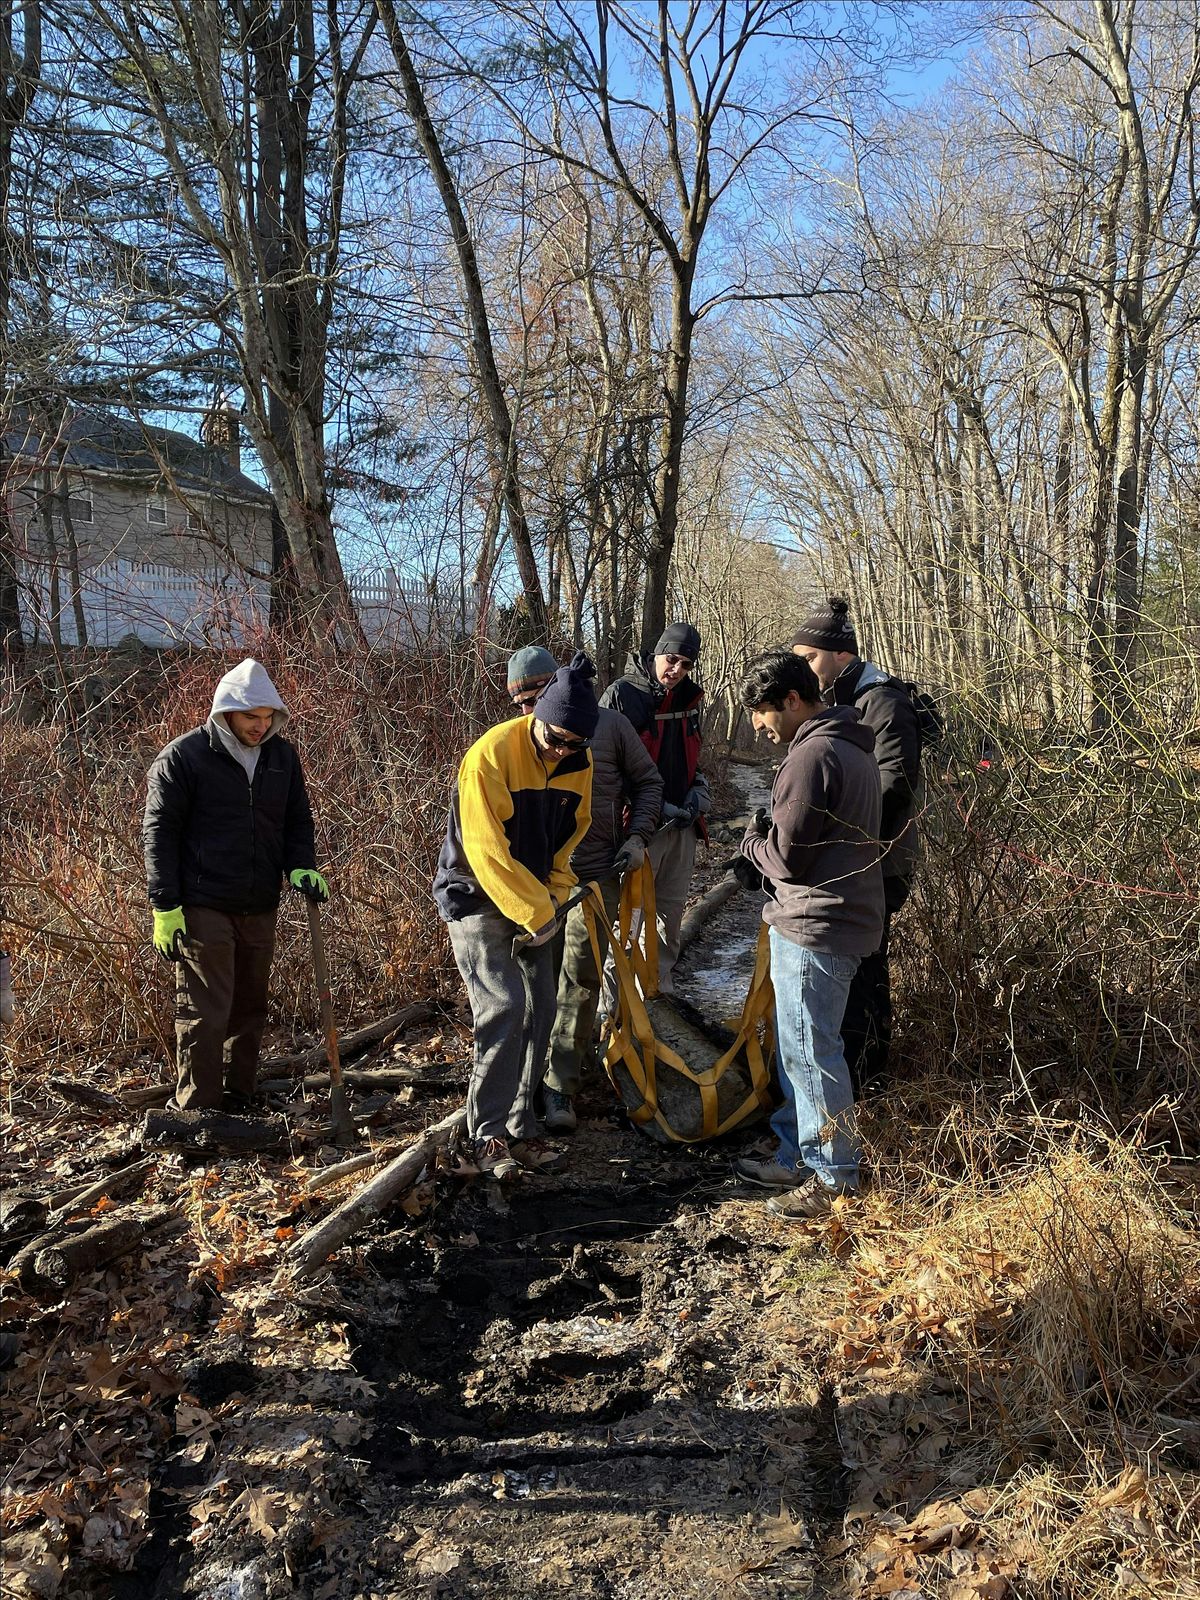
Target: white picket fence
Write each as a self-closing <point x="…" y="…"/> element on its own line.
<point x="160" y="605"/>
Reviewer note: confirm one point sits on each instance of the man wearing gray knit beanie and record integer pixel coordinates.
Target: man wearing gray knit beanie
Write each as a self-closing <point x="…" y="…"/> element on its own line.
<point x="827" y="641"/>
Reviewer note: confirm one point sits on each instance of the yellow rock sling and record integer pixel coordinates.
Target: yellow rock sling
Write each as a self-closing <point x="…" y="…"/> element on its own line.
<point x="632" y="1042"/>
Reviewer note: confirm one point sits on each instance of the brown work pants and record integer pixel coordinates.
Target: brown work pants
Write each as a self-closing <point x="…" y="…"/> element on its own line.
<point x="221" y="1003"/>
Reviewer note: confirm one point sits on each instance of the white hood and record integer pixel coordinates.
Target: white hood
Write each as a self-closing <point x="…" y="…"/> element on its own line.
<point x="245" y="688"/>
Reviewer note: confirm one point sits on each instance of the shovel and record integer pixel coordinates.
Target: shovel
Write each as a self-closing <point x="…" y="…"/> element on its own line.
<point x="343" y="1123"/>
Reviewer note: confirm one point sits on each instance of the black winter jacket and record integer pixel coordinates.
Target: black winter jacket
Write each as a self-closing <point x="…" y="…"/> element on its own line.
<point x="213" y="839"/>
<point x="666" y="720"/>
<point x="887" y="709"/>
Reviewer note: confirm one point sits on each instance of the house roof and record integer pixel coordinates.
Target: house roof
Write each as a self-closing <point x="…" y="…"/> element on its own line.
<point x="99" y="441"/>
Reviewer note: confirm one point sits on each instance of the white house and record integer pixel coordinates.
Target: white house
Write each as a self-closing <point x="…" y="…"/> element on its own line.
<point x="126" y="529"/>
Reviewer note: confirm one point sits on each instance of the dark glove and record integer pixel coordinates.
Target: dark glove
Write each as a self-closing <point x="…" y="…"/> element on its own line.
<point x="748" y="875"/>
<point x="630" y="856"/>
<point x="686" y="814"/>
<point x="308" y="881"/>
<point x="760" y="822"/>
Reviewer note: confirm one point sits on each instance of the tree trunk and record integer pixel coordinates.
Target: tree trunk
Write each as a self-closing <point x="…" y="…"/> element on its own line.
<point x="502" y="439"/>
<point x="661" y="544"/>
<point x="18" y="82"/>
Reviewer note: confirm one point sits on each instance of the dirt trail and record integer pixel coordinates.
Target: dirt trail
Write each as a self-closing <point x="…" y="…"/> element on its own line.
<point x="584" y="1384"/>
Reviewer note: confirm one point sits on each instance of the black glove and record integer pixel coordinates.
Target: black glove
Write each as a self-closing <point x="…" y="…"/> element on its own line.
<point x="748" y="875"/>
<point x="760" y="822"/>
<point x="686" y="814"/>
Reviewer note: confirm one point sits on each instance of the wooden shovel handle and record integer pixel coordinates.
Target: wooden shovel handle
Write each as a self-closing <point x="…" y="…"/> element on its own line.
<point x="321" y="971"/>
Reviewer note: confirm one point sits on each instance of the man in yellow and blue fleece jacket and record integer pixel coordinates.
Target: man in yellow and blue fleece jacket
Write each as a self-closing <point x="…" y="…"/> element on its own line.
<point x="522" y="804"/>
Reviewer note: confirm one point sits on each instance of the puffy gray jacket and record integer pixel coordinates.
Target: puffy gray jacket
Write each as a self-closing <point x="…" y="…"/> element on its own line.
<point x="624" y="778"/>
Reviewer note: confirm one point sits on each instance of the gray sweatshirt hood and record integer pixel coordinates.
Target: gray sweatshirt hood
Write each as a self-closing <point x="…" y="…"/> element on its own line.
<point x="246" y="687"/>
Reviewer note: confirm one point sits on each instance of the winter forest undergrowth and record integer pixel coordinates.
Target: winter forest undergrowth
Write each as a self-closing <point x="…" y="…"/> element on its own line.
<point x="601" y="317"/>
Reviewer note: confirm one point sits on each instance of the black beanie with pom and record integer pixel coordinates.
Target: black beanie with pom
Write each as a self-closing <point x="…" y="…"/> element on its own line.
<point x="568" y="701"/>
<point x="829" y="629"/>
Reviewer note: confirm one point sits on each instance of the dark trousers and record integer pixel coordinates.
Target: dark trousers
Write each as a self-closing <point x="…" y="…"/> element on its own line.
<point x="221" y="1004"/>
<point x="867" y="1027"/>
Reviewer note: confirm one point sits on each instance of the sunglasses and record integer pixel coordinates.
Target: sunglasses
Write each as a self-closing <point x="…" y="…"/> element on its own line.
<point x="526" y="697"/>
<point x="680" y="661"/>
<point x="562" y="741"/>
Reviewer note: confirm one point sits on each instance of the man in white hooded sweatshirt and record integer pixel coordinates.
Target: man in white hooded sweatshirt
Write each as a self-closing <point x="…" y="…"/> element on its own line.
<point x="227" y="817"/>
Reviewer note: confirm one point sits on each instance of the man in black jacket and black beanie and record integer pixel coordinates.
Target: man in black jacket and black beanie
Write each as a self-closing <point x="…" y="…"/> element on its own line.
<point x="660" y="698"/>
<point x="227" y="816"/>
<point x="827" y="641"/>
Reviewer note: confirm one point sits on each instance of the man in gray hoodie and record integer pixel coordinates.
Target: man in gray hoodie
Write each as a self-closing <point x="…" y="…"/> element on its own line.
<point x="818" y="854"/>
<point x="227" y="816"/>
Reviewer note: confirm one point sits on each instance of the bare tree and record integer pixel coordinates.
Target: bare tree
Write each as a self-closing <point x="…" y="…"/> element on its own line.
<point x="251" y="105"/>
<point x="500" y="428"/>
<point x="20" y="69"/>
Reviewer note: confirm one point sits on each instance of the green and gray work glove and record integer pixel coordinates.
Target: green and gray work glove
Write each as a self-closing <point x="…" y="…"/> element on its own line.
<point x="170" y="930"/>
<point x="630" y="856"/>
<point x="309" y="882"/>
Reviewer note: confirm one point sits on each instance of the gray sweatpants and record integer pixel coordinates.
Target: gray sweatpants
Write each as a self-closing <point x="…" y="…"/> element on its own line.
<point x="512" y="1009"/>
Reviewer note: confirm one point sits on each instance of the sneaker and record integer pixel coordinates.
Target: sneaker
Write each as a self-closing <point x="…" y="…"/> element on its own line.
<point x="493" y="1159"/>
<point x="560" y="1112"/>
<point x="768" y="1174"/>
<point x="535" y="1155"/>
<point x="811" y="1199"/>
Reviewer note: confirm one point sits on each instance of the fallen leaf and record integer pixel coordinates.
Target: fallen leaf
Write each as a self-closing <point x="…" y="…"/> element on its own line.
<point x="784" y="1532"/>
<point x="266" y="1513"/>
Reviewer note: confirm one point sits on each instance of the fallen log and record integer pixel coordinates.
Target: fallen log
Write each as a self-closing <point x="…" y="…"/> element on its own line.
<point x="57" y="1265"/>
<point x="693" y="923"/>
<point x="152" y="1094"/>
<point x="22" y="1217"/>
<point x="331" y="1175"/>
<point x="352" y="1045"/>
<point x="84" y="1094"/>
<point x="368" y="1078"/>
<point x="213" y="1130"/>
<point x="22" y="1264"/>
<point x="315" y="1247"/>
<point x="112" y="1183"/>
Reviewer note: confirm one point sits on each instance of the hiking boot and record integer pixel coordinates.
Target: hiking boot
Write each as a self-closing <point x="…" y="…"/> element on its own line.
<point x="535" y="1155"/>
<point x="560" y="1112"/>
<point x="768" y="1174"/>
<point x="810" y="1200"/>
<point x="493" y="1159"/>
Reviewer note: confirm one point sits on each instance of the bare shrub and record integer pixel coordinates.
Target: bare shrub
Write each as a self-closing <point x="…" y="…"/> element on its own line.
<point x="1054" y="928"/>
<point x="380" y="738"/>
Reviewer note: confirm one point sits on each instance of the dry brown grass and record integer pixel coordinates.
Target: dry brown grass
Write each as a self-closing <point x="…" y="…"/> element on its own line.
<point x="380" y="739"/>
<point x="1018" y="1364"/>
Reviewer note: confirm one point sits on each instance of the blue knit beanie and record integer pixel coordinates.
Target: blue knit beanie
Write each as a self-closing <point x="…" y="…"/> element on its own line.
<point x="568" y="701"/>
<point x="531" y="664"/>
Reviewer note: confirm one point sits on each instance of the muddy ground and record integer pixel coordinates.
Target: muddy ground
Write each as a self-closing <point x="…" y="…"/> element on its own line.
<point x="578" y="1384"/>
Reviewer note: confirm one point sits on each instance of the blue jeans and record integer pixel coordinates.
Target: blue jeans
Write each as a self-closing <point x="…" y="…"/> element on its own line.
<point x="815" y="1123"/>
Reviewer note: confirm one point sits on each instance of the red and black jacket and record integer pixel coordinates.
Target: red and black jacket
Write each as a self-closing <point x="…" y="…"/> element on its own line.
<point x="666" y="720"/>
